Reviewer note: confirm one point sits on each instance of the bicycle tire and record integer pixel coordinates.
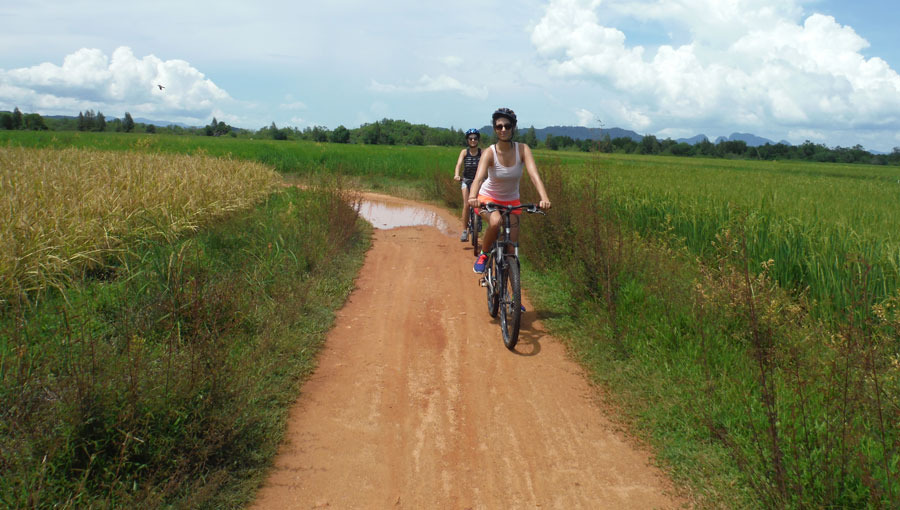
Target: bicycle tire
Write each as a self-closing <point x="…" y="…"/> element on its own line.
<point x="474" y="224"/>
<point x="493" y="288"/>
<point x="510" y="302"/>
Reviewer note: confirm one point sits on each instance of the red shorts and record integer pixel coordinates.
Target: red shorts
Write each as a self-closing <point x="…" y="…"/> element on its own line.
<point x="484" y="199"/>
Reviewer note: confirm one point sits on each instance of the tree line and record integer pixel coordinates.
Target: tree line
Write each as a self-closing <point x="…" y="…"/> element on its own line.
<point x="401" y="132"/>
<point x="17" y="120"/>
<point x="739" y="149"/>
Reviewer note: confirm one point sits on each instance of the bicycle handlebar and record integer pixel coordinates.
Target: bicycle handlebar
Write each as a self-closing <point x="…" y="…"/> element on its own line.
<point x="529" y="208"/>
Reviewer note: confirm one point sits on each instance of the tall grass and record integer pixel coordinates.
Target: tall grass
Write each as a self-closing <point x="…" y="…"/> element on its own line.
<point x="374" y="166"/>
<point x="755" y="401"/>
<point x="69" y="211"/>
<point x="822" y="225"/>
<point x="168" y="385"/>
<point x="744" y="313"/>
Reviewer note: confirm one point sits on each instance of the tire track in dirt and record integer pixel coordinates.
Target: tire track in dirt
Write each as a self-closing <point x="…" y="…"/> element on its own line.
<point x="416" y="403"/>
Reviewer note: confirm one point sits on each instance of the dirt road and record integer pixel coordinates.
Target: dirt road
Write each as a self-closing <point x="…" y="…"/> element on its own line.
<point x="416" y="403"/>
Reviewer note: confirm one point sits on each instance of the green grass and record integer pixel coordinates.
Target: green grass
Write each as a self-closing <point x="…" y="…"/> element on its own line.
<point x="748" y="398"/>
<point x="377" y="167"/>
<point x="170" y="384"/>
<point x="824" y="226"/>
<point x="759" y="384"/>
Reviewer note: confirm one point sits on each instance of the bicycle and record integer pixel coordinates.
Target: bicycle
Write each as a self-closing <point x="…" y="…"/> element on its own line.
<point x="502" y="277"/>
<point x="473" y="227"/>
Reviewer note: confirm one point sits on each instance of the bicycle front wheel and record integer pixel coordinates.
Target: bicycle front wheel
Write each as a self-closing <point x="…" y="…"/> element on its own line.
<point x="492" y="278"/>
<point x="510" y="302"/>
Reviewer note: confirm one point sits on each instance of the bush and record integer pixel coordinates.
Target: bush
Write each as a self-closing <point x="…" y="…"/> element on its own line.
<point x="166" y="380"/>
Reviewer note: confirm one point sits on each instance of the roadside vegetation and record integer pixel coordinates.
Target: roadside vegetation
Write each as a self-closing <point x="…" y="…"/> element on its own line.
<point x="732" y="375"/>
<point x="741" y="315"/>
<point x="160" y="372"/>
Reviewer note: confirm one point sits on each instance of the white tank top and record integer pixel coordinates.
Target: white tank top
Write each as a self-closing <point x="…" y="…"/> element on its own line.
<point x="502" y="182"/>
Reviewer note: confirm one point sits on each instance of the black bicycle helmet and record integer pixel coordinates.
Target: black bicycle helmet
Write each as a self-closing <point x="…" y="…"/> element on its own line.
<point x="504" y="112"/>
<point x="473" y="131"/>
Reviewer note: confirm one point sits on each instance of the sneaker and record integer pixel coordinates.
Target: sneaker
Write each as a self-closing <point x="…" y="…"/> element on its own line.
<point x="480" y="262"/>
<point x="464" y="236"/>
<point x="523" y="307"/>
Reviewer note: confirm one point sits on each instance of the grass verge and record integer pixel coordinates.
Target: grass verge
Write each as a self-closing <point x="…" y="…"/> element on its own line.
<point x="747" y="398"/>
<point x="169" y="384"/>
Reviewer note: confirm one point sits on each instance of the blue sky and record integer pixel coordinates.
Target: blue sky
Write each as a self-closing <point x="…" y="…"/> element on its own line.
<point x="795" y="70"/>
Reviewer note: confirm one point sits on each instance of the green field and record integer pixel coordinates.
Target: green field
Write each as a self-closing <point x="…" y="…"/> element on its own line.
<point x="824" y="226"/>
<point x="744" y="316"/>
<point x="377" y="166"/>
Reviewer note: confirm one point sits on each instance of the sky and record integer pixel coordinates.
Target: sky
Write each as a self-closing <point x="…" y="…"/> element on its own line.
<point x="795" y="70"/>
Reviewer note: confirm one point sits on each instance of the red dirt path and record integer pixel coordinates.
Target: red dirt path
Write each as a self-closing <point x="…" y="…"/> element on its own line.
<point x="416" y="403"/>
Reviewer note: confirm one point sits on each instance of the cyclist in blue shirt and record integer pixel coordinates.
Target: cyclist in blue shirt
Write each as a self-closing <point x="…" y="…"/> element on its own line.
<point x="468" y="163"/>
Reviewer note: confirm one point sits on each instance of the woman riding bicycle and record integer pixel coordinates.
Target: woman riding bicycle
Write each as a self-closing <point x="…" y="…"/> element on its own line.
<point x="468" y="162"/>
<point x="500" y="171"/>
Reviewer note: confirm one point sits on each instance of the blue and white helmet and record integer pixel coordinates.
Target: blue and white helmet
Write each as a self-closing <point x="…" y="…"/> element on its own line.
<point x="473" y="131"/>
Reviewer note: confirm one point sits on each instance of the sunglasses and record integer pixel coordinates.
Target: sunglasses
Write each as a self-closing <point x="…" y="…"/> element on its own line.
<point x="501" y="127"/>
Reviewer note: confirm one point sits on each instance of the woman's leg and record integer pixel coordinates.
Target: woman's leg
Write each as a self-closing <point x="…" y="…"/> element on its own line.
<point x="490" y="233"/>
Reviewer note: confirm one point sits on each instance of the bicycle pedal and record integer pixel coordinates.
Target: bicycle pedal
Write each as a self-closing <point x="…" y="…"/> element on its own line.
<point x="482" y="282"/>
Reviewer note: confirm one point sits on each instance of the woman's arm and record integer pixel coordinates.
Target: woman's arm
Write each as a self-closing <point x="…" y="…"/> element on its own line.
<point x="459" y="162"/>
<point x="531" y="166"/>
<point x="487" y="158"/>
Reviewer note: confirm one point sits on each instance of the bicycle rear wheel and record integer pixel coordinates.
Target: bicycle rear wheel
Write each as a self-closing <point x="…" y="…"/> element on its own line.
<point x="492" y="278"/>
<point x="510" y="302"/>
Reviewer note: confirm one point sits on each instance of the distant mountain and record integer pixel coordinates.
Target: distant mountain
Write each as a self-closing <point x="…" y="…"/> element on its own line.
<point x="584" y="133"/>
<point x="694" y="140"/>
<point x="577" y="132"/>
<point x="161" y="123"/>
<point x="751" y="140"/>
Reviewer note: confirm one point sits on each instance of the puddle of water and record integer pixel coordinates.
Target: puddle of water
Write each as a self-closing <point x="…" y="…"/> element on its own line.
<point x="387" y="216"/>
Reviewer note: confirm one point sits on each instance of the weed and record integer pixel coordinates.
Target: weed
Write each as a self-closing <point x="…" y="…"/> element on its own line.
<point x="169" y="383"/>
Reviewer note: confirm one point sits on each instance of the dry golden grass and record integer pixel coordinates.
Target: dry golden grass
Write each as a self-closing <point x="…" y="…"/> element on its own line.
<point x="66" y="211"/>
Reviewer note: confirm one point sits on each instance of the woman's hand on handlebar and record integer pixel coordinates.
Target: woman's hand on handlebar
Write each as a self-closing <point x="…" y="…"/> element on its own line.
<point x="473" y="202"/>
<point x="544" y="204"/>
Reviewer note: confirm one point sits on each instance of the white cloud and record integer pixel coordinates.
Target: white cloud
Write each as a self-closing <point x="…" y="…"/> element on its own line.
<point x="426" y="83"/>
<point x="452" y="61"/>
<point x="295" y="105"/>
<point x="807" y="134"/>
<point x="585" y="117"/>
<point x="635" y="119"/>
<point x="748" y="64"/>
<point x="89" y="79"/>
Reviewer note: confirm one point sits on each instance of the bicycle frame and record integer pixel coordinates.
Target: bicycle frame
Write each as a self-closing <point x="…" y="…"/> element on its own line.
<point x="504" y="237"/>
<point x="502" y="278"/>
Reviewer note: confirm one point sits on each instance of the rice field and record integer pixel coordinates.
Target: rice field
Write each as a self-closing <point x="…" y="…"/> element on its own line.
<point x="64" y="212"/>
<point x="831" y="231"/>
<point x="71" y="203"/>
<point x="378" y="162"/>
